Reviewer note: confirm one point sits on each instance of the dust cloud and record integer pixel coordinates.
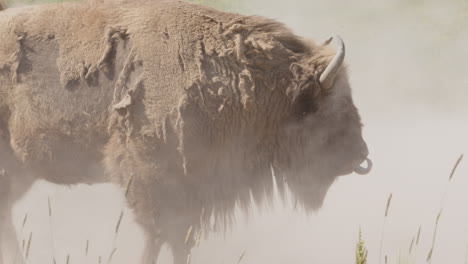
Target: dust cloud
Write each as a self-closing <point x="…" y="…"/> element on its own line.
<point x="407" y="68"/>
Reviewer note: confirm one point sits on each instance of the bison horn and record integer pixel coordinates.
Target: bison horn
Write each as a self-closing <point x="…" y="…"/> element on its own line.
<point x="328" y="76"/>
<point x="361" y="170"/>
<point x="326" y="42"/>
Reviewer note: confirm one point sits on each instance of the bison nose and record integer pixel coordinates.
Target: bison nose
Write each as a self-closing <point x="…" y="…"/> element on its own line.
<point x="364" y="152"/>
<point x="363" y="158"/>
<point x="360" y="152"/>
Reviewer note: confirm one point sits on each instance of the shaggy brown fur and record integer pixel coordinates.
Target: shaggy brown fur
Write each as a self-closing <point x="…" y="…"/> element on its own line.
<point x="193" y="104"/>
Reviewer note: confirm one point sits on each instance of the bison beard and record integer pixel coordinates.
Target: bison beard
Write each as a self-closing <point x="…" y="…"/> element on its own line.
<point x="194" y="105"/>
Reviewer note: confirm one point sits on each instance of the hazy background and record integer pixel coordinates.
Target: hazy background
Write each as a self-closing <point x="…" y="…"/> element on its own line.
<point x="407" y="62"/>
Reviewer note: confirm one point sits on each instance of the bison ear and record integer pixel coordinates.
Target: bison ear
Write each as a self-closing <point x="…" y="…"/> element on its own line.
<point x="296" y="70"/>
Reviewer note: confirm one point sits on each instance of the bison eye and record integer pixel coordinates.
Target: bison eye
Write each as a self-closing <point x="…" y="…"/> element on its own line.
<point x="304" y="104"/>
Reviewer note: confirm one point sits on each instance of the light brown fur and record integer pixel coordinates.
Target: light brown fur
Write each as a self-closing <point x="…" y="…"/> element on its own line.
<point x="193" y="104"/>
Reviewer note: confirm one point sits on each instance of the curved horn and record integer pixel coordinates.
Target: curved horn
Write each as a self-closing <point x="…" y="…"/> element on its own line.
<point x="328" y="76"/>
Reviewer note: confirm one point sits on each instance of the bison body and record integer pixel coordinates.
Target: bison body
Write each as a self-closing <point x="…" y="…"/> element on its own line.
<point x="188" y="107"/>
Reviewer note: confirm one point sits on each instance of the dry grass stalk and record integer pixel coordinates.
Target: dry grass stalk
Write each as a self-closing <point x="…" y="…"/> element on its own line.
<point x="389" y="200"/>
<point x="129" y="184"/>
<point x="442" y="202"/>
<point x="199" y="236"/>
<point x="361" y="251"/>
<point x="411" y="246"/>
<point x="241" y="257"/>
<point x="387" y="208"/>
<point x="25" y="220"/>
<point x="414" y="246"/>
<point x="455" y="166"/>
<point x="111" y="255"/>
<point x="114" y="244"/>
<point x="50" y="207"/>
<point x="119" y="222"/>
<point x="419" y="233"/>
<point x="452" y="173"/>
<point x="51" y="229"/>
<point x="189" y="234"/>
<point x="429" y="256"/>
<point x="29" y="245"/>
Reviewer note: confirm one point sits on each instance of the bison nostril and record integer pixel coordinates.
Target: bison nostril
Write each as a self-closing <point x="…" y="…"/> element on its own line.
<point x="364" y="155"/>
<point x="364" y="151"/>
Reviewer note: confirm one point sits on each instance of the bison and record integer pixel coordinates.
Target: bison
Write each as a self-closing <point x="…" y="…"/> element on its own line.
<point x="189" y="109"/>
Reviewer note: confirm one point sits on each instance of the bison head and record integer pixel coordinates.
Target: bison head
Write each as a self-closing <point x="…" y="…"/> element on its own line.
<point x="322" y="137"/>
<point x="290" y="108"/>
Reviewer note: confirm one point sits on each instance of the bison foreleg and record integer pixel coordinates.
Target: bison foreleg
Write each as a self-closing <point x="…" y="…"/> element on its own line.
<point x="152" y="248"/>
<point x="181" y="240"/>
<point x="12" y="188"/>
<point x="4" y="192"/>
<point x="181" y="252"/>
<point x="9" y="245"/>
<point x="145" y="216"/>
<point x="5" y="216"/>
